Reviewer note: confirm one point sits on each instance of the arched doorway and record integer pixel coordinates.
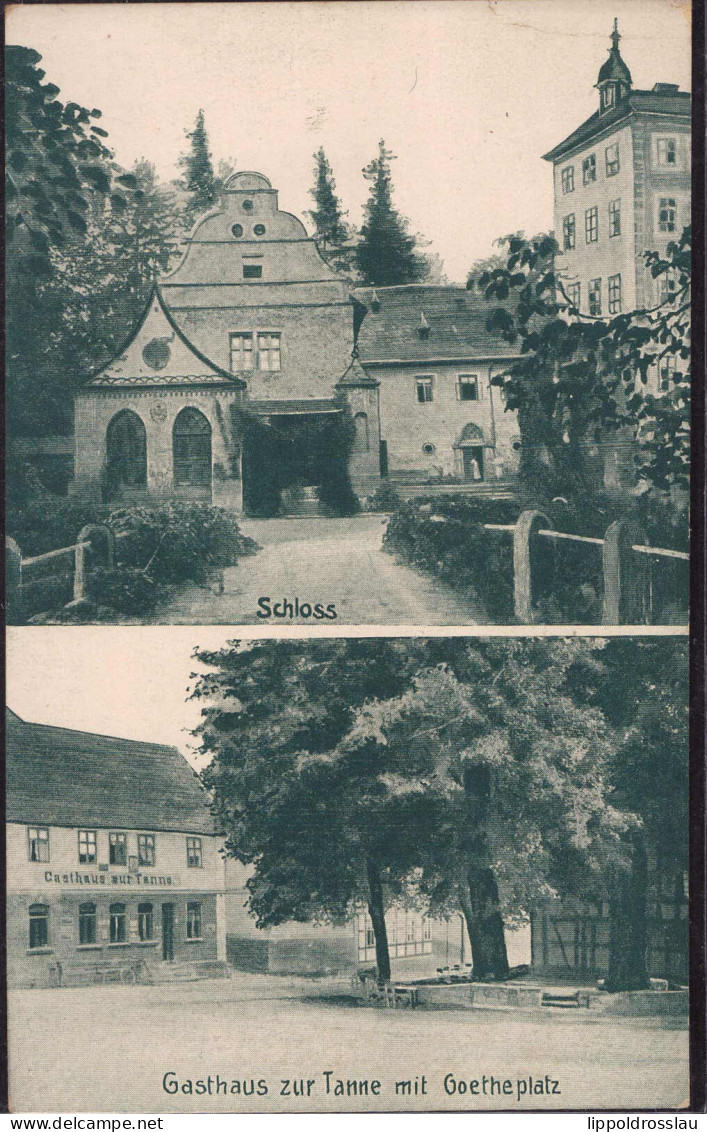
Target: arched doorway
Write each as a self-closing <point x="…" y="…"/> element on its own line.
<point x="471" y="445"/>
<point x="191" y="449"/>
<point x="126" y="452"/>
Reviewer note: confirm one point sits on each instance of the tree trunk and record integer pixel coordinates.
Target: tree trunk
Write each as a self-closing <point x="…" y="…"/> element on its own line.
<point x="628" y="941"/>
<point x="478" y="899"/>
<point x="376" y="910"/>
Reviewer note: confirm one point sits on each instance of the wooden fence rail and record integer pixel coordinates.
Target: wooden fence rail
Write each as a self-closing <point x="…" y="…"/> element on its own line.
<point x="626" y="581"/>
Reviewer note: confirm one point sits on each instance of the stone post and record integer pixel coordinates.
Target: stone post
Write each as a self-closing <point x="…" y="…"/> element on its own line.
<point x="79" y="572"/>
<point x="525" y="536"/>
<point x="102" y="541"/>
<point x="625" y="575"/>
<point x="13" y="581"/>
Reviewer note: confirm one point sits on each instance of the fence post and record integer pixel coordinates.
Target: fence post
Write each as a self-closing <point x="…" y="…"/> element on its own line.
<point x="625" y="575"/>
<point x="13" y="580"/>
<point x="102" y="542"/>
<point x="79" y="572"/>
<point x="524" y="541"/>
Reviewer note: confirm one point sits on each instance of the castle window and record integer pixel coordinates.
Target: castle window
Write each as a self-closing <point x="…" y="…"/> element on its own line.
<point x="667" y="286"/>
<point x="666" y="369"/>
<point x="574" y="291"/>
<point x="568" y="232"/>
<point x="361" y="439"/>
<point x="194" y="852"/>
<point x="117" y="849"/>
<point x="589" y="169"/>
<point x="568" y="179"/>
<point x="87" y="846"/>
<point x="612" y="160"/>
<point x="595" y="297"/>
<point x="423" y="388"/>
<point x="467" y="387"/>
<point x="237" y="230"/>
<point x="591" y="225"/>
<point x="259" y="229"/>
<point x="118" y="923"/>
<point x="193" y="920"/>
<point x="146" y="848"/>
<point x="667" y="152"/>
<point x="87" y="924"/>
<point x="614" y="218"/>
<point x="38" y="925"/>
<point x="252" y="271"/>
<point x="608" y="97"/>
<point x="38" y="843"/>
<point x="667" y="214"/>
<point x="614" y="294"/>
<point x="247" y="206"/>
<point x="145" y="922"/>
<point x="269" y="352"/>
<point x="241" y="352"/>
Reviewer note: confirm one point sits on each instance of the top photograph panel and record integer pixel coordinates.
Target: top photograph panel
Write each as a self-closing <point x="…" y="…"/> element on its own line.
<point x="349" y="313"/>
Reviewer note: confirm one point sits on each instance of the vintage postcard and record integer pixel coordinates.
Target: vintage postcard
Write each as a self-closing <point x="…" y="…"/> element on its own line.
<point x="349" y="313"/>
<point x="347" y="557"/>
<point x="361" y="874"/>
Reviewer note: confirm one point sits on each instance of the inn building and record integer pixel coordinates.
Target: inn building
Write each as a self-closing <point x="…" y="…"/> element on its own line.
<point x="113" y="868"/>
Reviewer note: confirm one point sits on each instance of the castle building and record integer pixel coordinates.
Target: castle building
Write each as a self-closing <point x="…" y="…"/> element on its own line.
<point x="621" y="187"/>
<point x="253" y="323"/>
<point x="113" y="868"/>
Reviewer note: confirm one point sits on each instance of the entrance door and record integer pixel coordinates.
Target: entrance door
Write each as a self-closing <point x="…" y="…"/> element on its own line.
<point x="473" y="463"/>
<point x="168" y="931"/>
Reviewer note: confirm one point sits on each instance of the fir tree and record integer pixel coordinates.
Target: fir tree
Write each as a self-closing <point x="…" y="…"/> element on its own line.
<point x="330" y="229"/>
<point x="386" y="254"/>
<point x="199" y="179"/>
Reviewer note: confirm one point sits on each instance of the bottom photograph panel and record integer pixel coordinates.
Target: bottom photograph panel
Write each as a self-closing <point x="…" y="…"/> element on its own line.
<point x="363" y="874"/>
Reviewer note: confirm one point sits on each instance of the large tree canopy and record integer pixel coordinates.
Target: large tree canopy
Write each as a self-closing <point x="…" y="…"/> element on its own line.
<point x="582" y="378"/>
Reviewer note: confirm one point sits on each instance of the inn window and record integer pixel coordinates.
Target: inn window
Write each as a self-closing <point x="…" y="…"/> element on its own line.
<point x="38" y="925"/>
<point x="118" y="923"/>
<point x="252" y="270"/>
<point x="615" y="217"/>
<point x="87" y="846"/>
<point x="591" y="225"/>
<point x="589" y="169"/>
<point x="467" y="387"/>
<point x="667" y="152"/>
<point x="145" y="922"/>
<point x="614" y="294"/>
<point x="612" y="160"/>
<point x="117" y="849"/>
<point x="574" y="293"/>
<point x="424" y="390"/>
<point x="87" y="924"/>
<point x="568" y="179"/>
<point x="38" y="843"/>
<point x="145" y="848"/>
<point x="194" y="852"/>
<point x="269" y="352"/>
<point x="193" y="920"/>
<point x="667" y="214"/>
<point x="568" y="232"/>
<point x="595" y="297"/>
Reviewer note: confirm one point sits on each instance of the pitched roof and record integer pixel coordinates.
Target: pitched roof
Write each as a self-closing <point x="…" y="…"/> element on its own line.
<point x="74" y="778"/>
<point x="676" y="103"/>
<point x="158" y="353"/>
<point x="452" y="319"/>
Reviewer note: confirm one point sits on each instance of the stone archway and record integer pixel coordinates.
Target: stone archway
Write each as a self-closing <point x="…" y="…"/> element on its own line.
<point x="191" y="449"/>
<point x="126" y="452"/>
<point x="471" y="448"/>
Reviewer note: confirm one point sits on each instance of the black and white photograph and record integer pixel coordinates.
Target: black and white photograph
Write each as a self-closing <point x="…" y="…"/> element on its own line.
<point x="359" y="874"/>
<point x="382" y="319"/>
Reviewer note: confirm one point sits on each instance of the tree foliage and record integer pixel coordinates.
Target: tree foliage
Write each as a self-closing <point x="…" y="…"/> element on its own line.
<point x="581" y="378"/>
<point x="199" y="179"/>
<point x="330" y="228"/>
<point x="386" y="254"/>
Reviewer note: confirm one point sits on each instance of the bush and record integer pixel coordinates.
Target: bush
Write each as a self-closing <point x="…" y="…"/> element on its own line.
<point x="125" y="589"/>
<point x="180" y="542"/>
<point x="49" y="522"/>
<point x="384" y="498"/>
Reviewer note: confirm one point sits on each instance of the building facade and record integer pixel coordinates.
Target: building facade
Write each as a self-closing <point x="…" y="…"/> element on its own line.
<point x="621" y="188"/>
<point x="113" y="869"/>
<point x="253" y="321"/>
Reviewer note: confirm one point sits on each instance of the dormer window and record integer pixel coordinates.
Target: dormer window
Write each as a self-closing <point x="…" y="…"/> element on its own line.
<point x="423" y="329"/>
<point x="252" y="271"/>
<point x="608" y="97"/>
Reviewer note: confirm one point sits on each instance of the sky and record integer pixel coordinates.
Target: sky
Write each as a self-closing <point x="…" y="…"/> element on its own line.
<point x="467" y="93"/>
